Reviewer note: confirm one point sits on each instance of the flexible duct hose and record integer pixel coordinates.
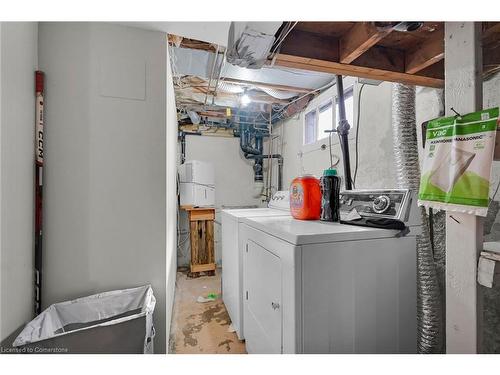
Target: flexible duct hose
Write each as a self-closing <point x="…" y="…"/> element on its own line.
<point x="404" y="132"/>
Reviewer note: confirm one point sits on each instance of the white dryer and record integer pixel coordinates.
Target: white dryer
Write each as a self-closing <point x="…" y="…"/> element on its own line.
<point x="232" y="253"/>
<point x="319" y="287"/>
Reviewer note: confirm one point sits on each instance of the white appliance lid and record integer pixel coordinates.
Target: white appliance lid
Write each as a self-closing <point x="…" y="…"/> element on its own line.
<point x="240" y="213"/>
<point x="302" y="232"/>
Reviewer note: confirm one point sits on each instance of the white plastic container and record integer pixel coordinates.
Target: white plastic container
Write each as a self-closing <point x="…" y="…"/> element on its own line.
<point x="197" y="195"/>
<point x="197" y="183"/>
<point x="198" y="172"/>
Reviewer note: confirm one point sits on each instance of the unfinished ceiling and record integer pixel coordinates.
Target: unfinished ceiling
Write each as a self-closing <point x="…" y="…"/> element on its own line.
<point x="304" y="62"/>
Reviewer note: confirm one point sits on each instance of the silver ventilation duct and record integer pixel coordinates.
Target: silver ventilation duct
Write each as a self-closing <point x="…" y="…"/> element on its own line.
<point x="429" y="314"/>
<point x="278" y="94"/>
<point x="230" y="88"/>
<point x="249" y="43"/>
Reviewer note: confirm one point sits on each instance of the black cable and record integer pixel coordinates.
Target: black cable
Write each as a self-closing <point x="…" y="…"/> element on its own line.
<point x="357" y="132"/>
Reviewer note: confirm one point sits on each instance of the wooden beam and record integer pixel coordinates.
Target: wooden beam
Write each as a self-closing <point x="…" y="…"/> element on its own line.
<point x="331" y="67"/>
<point x="426" y="54"/>
<point x="359" y="39"/>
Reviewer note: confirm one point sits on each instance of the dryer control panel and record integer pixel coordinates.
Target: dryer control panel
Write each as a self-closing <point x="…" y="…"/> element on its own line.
<point x="280" y="200"/>
<point x="383" y="203"/>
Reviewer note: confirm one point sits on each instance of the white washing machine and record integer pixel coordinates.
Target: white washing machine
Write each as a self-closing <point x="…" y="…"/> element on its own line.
<point x="232" y="263"/>
<point x="320" y="287"/>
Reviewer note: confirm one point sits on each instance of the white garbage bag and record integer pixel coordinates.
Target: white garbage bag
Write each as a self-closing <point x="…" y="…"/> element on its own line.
<point x="88" y="313"/>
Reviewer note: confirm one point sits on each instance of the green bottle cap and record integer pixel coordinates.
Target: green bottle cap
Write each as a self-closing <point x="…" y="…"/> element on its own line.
<point x="330" y="172"/>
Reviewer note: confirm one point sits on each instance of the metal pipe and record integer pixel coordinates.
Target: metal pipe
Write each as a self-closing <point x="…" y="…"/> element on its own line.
<point x="272" y="156"/>
<point x="429" y="313"/>
<point x="280" y="173"/>
<point x="269" y="160"/>
<point x="343" y="131"/>
<point x="216" y="57"/>
<point x="218" y="76"/>
<point x="183" y="147"/>
<point x="340" y="97"/>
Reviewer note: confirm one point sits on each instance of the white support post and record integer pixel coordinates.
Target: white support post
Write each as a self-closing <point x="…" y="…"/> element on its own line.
<point x="464" y="233"/>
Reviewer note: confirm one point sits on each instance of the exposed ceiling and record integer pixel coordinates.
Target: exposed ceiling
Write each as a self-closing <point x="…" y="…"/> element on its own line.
<point x="308" y="58"/>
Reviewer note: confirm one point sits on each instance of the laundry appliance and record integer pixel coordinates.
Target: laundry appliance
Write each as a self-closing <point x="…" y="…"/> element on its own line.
<point x="325" y="287"/>
<point x="232" y="264"/>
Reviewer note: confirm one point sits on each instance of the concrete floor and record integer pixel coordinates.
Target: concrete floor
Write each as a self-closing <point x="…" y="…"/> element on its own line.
<point x="201" y="328"/>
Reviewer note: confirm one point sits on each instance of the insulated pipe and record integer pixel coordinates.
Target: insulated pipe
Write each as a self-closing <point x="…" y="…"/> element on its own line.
<point x="280" y="165"/>
<point x="256" y="153"/>
<point x="245" y="143"/>
<point x="429" y="313"/>
<point x="259" y="163"/>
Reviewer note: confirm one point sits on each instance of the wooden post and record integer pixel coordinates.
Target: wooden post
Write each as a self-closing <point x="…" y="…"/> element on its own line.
<point x="464" y="233"/>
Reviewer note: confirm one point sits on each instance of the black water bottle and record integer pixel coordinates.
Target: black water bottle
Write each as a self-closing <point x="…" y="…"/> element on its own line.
<point x="330" y="191"/>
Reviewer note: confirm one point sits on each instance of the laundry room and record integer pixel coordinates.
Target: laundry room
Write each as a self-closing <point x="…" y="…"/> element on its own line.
<point x="298" y="189"/>
<point x="212" y="189"/>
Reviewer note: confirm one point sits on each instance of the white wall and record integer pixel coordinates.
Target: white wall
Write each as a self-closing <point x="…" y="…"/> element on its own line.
<point x="105" y="161"/>
<point x="171" y="182"/>
<point x="376" y="159"/>
<point x="234" y="179"/>
<point x="18" y="62"/>
<point x="212" y="32"/>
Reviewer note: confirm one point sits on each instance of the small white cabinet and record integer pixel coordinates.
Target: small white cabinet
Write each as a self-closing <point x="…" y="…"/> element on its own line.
<point x="263" y="294"/>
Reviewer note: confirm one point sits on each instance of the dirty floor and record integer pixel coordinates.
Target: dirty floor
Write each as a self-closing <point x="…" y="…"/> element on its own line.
<point x="201" y="328"/>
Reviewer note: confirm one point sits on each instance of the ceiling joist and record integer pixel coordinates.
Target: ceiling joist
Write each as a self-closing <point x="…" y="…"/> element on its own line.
<point x="265" y="85"/>
<point x="425" y="54"/>
<point x="305" y="63"/>
<point x="321" y="53"/>
<point x="359" y="39"/>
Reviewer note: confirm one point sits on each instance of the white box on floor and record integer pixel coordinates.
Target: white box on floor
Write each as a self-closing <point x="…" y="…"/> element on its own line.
<point x="197" y="195"/>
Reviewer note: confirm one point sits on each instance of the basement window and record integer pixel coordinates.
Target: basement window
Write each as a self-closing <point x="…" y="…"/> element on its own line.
<point x="310" y="127"/>
<point x="322" y="117"/>
<point x="325" y="119"/>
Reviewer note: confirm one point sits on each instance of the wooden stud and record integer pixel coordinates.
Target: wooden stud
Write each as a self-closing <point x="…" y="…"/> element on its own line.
<point x="359" y="39"/>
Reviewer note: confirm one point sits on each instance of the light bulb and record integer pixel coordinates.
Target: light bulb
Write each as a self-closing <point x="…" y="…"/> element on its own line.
<point x="245" y="99"/>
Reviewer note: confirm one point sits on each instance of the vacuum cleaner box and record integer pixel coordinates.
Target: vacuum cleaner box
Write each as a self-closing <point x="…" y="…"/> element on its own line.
<point x="197" y="195"/>
<point x="459" y="151"/>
